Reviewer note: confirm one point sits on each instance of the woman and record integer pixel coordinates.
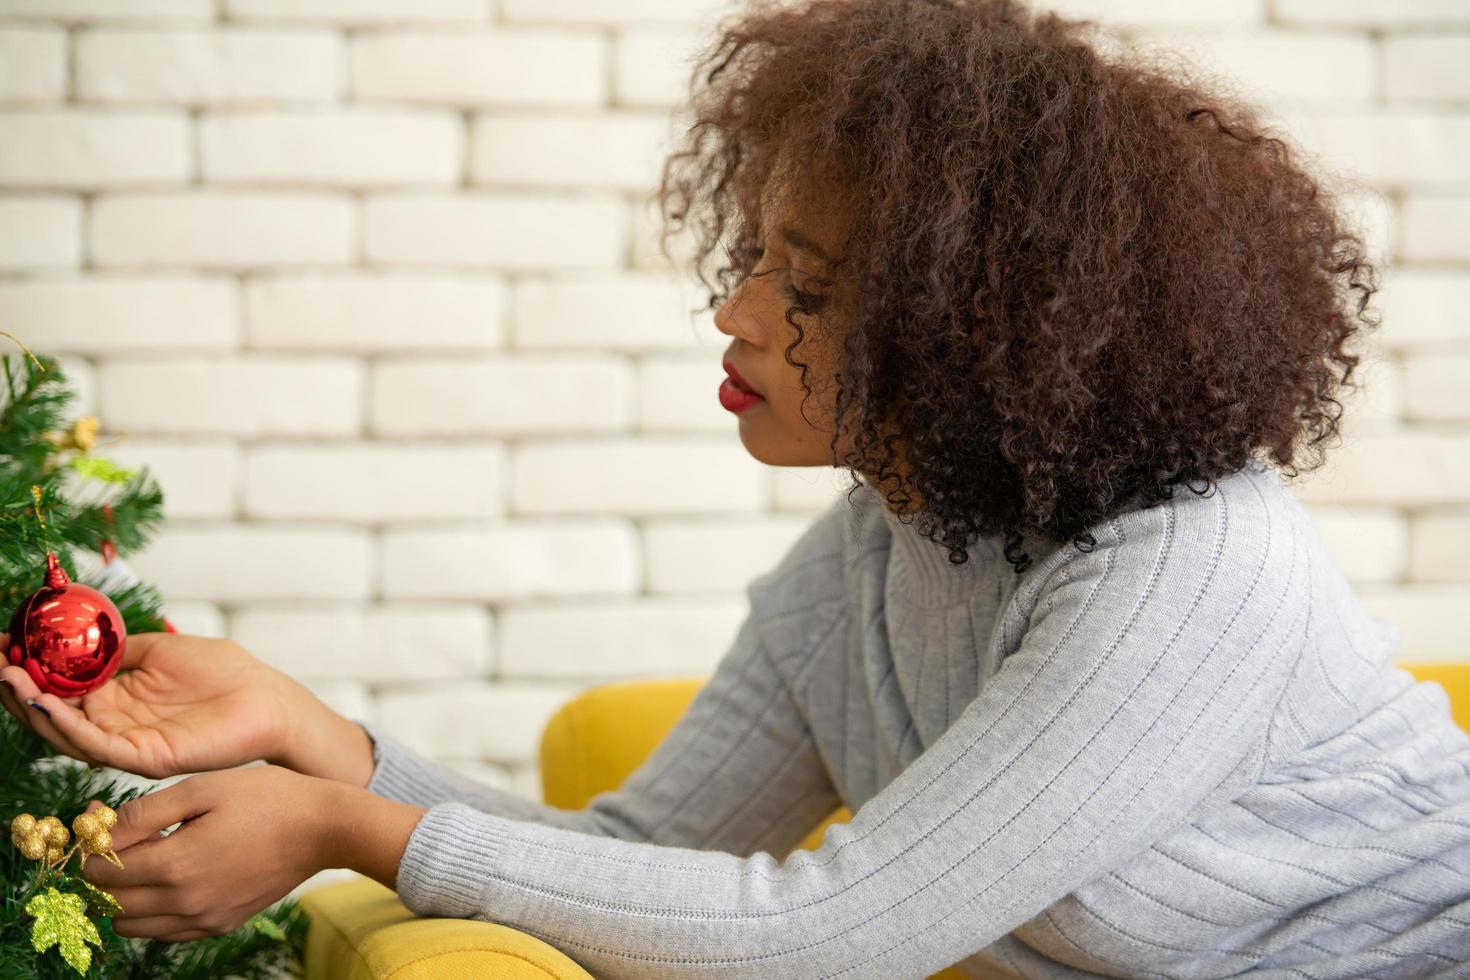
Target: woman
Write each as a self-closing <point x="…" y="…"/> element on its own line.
<point x="1088" y="725"/>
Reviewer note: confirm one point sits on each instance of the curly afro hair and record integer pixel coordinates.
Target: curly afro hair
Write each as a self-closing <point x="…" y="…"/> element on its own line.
<point x="1081" y="280"/>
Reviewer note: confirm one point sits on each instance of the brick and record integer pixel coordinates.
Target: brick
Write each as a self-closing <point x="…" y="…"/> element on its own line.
<point x="111" y="10"/>
<point x="1369" y="544"/>
<point x="257" y="396"/>
<point x="1370" y="214"/>
<point x="361" y="11"/>
<point x="501" y="721"/>
<point x="219" y="229"/>
<point x="199" y="477"/>
<point x="32" y="64"/>
<point x="628" y="311"/>
<point x="1439" y="543"/>
<point x="1435" y="387"/>
<point x="716" y="556"/>
<point x="1424" y="309"/>
<point x="610" y="150"/>
<point x="526" y="780"/>
<point x="512" y="560"/>
<point x="349" y="699"/>
<point x="649" y="475"/>
<point x="194" y="618"/>
<point x="368" y="643"/>
<point x="109" y="314"/>
<point x="682" y="394"/>
<point x="92" y="148"/>
<point x="1427" y="68"/>
<point x="807" y="489"/>
<point x="506" y="232"/>
<point x="1435" y="227"/>
<point x="652" y="66"/>
<point x="351" y="147"/>
<point x="1375" y="400"/>
<point x="376" y="312"/>
<point x="1409" y="467"/>
<point x="1430" y="618"/>
<point x="702" y="12"/>
<point x="1272" y="66"/>
<point x="373" y="482"/>
<point x="1371" y="13"/>
<point x="258" y="561"/>
<point x="1387" y="148"/>
<point x="504" y="396"/>
<point x="204" y="67"/>
<point x="42" y="231"/>
<point x="597" y="642"/>
<point x="506" y="67"/>
<point x="1230" y="13"/>
<point x="81" y="378"/>
<point x="647" y="249"/>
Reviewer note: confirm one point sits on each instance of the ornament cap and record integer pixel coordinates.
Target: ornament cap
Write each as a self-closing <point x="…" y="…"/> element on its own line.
<point x="56" y="577"/>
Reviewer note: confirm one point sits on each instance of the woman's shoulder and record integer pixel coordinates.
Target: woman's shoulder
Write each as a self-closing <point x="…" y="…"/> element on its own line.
<point x="1246" y="531"/>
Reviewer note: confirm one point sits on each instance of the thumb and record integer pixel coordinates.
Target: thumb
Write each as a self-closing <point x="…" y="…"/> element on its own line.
<point x="96" y="804"/>
<point x="145" y="817"/>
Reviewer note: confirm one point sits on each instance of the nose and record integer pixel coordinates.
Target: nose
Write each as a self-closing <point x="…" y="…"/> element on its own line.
<point x="738" y="317"/>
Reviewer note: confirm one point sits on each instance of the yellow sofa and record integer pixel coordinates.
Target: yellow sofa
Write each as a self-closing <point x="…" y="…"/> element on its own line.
<point x="361" y="931"/>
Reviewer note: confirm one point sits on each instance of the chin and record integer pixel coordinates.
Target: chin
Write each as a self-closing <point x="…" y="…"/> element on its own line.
<point x="774" y="453"/>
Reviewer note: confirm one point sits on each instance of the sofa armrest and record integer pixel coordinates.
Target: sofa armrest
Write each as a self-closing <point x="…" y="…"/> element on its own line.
<point x="361" y="931"/>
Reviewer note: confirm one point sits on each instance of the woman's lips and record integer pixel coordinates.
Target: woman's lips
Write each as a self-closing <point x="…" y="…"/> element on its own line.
<point x="735" y="377"/>
<point x="735" y="398"/>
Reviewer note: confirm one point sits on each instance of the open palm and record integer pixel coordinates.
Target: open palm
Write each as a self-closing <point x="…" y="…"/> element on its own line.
<point x="179" y="703"/>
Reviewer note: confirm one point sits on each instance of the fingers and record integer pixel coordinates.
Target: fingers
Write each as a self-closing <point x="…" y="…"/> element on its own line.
<point x="146" y="815"/>
<point x="83" y="734"/>
<point x="144" y="863"/>
<point x="12" y="702"/>
<point x="169" y="928"/>
<point x="22" y="690"/>
<point x="137" y="647"/>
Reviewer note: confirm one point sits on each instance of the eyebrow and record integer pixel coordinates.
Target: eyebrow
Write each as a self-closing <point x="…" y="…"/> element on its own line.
<point x="797" y="239"/>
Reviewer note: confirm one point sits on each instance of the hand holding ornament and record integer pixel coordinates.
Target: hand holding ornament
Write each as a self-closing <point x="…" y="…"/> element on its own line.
<point x="179" y="704"/>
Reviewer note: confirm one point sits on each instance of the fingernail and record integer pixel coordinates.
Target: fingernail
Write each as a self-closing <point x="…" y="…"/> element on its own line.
<point x="35" y="704"/>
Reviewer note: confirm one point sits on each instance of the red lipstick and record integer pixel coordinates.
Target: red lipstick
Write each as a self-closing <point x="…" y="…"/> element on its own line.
<point x="736" y="394"/>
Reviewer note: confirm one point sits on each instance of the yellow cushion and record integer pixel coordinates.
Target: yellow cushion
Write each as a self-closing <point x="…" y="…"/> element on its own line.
<point x="361" y="931"/>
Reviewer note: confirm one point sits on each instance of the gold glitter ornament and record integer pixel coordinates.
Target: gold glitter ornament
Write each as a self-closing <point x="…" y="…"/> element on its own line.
<point x="86" y="825"/>
<point x="98" y="842"/>
<point x="33" y="847"/>
<point x="21" y="827"/>
<point x="54" y="831"/>
<point x="45" y="839"/>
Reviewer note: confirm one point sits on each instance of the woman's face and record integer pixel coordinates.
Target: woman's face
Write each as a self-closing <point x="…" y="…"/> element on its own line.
<point x="799" y="247"/>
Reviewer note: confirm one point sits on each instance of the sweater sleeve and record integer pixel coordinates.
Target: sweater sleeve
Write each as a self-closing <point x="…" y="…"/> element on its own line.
<point x="1140" y="690"/>
<point x="738" y="772"/>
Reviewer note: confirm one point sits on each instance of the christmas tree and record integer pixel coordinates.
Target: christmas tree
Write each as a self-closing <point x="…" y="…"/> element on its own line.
<point x="56" y="496"/>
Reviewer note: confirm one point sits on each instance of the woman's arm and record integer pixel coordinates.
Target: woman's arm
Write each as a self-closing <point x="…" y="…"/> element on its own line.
<point x="739" y="772"/>
<point x="1142" y="690"/>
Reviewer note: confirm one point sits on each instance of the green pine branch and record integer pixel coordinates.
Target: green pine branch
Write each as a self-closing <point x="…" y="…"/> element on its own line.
<point x="33" y="778"/>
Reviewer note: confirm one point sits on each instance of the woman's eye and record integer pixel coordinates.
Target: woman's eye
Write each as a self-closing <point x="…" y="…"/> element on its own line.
<point x="808" y="302"/>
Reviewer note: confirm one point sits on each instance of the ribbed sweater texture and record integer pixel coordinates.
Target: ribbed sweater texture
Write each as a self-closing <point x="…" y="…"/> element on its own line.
<point x="1183" y="752"/>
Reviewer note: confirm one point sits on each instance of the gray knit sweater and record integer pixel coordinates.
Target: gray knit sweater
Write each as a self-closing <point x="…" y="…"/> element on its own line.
<point x="1183" y="753"/>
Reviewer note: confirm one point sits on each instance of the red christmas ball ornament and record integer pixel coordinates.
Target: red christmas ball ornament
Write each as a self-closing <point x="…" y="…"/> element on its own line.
<point x="68" y="636"/>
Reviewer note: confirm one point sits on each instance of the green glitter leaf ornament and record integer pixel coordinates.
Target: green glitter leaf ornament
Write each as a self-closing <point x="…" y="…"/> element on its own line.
<point x="61" y="920"/>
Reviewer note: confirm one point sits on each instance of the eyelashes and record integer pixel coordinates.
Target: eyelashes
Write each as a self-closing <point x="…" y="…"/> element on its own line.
<point x="804" y="302"/>
<point x="807" y="303"/>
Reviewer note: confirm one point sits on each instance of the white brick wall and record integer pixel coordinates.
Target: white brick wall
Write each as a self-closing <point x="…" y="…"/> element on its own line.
<point x="372" y="287"/>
